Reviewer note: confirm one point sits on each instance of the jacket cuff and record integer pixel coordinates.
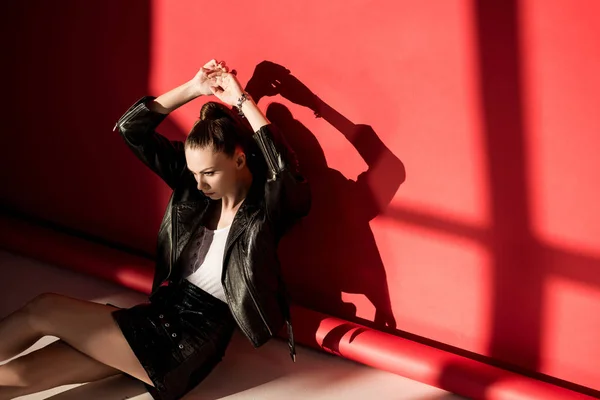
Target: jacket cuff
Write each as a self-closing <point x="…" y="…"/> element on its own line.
<point x="273" y="150"/>
<point x="139" y="119"/>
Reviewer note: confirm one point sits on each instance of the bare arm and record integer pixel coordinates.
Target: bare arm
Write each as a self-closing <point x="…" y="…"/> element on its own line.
<point x="254" y="115"/>
<point x="138" y="125"/>
<point x="287" y="192"/>
<point x="199" y="85"/>
<point x="228" y="90"/>
<point x="175" y="98"/>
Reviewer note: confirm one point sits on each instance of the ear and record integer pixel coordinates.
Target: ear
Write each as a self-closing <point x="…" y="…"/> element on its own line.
<point x="240" y="159"/>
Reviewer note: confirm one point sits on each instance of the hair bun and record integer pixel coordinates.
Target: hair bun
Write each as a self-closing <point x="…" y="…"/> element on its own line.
<point x="212" y="111"/>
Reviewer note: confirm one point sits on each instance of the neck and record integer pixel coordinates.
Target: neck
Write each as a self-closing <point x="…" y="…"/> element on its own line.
<point x="233" y="201"/>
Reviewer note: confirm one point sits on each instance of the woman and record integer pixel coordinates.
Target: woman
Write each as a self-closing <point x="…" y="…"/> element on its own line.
<point x="236" y="191"/>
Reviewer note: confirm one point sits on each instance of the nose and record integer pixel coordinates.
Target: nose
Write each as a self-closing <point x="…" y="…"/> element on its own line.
<point x="202" y="183"/>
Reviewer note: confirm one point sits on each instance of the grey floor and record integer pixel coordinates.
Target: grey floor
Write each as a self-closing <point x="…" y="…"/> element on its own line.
<point x="245" y="373"/>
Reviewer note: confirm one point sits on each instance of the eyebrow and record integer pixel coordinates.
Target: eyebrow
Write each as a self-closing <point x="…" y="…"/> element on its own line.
<point x="201" y="172"/>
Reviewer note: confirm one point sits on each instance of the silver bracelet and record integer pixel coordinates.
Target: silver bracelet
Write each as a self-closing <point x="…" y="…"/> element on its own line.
<point x="245" y="96"/>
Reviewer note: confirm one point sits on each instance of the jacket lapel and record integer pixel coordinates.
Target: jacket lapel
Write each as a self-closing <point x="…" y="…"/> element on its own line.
<point x="188" y="215"/>
<point x="242" y="219"/>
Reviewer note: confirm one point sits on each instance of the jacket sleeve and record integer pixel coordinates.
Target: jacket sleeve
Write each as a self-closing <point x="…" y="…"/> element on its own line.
<point x="287" y="192"/>
<point x="163" y="156"/>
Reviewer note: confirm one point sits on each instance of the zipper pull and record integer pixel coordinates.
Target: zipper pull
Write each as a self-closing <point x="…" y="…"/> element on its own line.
<point x="291" y="343"/>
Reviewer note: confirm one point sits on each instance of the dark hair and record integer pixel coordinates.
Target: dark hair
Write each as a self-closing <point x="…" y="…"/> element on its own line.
<point x="220" y="128"/>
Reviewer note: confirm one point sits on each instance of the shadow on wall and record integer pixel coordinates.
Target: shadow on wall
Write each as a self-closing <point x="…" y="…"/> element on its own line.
<point x="333" y="249"/>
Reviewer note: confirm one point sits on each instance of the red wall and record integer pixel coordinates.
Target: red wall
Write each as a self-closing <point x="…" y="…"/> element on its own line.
<point x="491" y="244"/>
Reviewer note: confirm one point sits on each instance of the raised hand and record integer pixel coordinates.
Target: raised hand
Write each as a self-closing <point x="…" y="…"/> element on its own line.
<point x="204" y="78"/>
<point x="226" y="87"/>
<point x="200" y="84"/>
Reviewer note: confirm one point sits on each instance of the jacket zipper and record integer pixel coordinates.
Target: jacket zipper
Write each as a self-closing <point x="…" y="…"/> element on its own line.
<point x="129" y="115"/>
<point x="251" y="291"/>
<point x="253" y="297"/>
<point x="173" y="237"/>
<point x="269" y="156"/>
<point x="242" y="326"/>
<point x="239" y="323"/>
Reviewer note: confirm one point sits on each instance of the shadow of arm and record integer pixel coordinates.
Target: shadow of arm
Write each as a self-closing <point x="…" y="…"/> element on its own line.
<point x="377" y="186"/>
<point x="380" y="182"/>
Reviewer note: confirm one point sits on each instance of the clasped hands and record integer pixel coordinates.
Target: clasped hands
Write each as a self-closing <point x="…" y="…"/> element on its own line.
<point x="217" y="79"/>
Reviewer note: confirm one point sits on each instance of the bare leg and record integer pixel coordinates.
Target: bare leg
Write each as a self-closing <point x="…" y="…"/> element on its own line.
<point x="86" y="326"/>
<point x="16" y="334"/>
<point x="54" y="365"/>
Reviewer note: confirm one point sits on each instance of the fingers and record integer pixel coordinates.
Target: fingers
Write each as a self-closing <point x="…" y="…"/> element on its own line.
<point x="215" y="64"/>
<point x="215" y="67"/>
<point x="219" y="65"/>
<point x="212" y="64"/>
<point x="221" y="80"/>
<point x="210" y="74"/>
<point x="220" y="76"/>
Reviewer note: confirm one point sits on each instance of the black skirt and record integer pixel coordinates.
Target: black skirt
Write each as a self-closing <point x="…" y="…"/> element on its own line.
<point x="179" y="336"/>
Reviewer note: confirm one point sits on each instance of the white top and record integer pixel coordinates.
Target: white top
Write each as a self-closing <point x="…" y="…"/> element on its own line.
<point x="204" y="259"/>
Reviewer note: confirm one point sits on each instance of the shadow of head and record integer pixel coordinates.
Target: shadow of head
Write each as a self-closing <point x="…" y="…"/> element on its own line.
<point x="306" y="146"/>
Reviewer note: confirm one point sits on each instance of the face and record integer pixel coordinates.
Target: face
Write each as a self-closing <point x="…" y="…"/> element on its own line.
<point x="216" y="173"/>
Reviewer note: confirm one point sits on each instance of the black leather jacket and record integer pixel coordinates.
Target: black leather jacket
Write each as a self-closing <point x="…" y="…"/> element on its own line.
<point x="251" y="278"/>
